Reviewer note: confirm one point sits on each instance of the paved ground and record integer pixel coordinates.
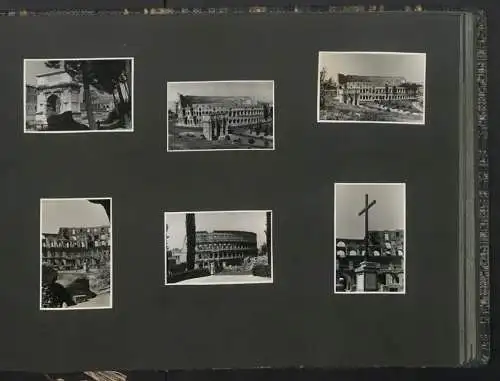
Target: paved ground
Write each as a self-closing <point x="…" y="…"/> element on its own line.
<point x="339" y="111"/>
<point x="176" y="142"/>
<point x="100" y="301"/>
<point x="226" y="279"/>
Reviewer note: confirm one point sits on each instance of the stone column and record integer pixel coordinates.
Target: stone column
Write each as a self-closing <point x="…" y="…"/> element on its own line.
<point x="41" y="110"/>
<point x="366" y="277"/>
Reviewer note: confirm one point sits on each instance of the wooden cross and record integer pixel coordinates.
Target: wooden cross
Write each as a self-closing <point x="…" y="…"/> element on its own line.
<point x="365" y="212"/>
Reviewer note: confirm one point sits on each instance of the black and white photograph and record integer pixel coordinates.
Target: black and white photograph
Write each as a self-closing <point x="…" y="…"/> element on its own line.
<point x="78" y="95"/>
<point x="76" y="258"/>
<point x="220" y="115"/>
<point x="107" y="375"/>
<point x="218" y="248"/>
<point x="373" y="87"/>
<point x="370" y="238"/>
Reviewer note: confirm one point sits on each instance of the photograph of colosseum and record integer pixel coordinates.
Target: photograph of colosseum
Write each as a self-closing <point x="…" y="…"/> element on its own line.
<point x="369" y="231"/>
<point x="371" y="87"/>
<point x="222" y="247"/>
<point x="75" y="254"/>
<point x="78" y="95"/>
<point x="220" y="115"/>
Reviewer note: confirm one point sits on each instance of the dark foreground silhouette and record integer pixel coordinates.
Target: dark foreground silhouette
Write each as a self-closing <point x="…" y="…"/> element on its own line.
<point x="64" y="122"/>
<point x="55" y="295"/>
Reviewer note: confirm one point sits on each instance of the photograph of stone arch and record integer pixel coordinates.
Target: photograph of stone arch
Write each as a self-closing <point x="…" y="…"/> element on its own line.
<point x="371" y="87"/>
<point x="76" y="258"/>
<point x="218" y="248"/>
<point x="220" y="115"/>
<point x="370" y="238"/>
<point x="78" y="95"/>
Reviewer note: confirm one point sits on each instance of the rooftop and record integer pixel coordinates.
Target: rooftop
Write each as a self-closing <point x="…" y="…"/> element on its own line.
<point x="376" y="80"/>
<point x="224" y="231"/>
<point x="201" y="99"/>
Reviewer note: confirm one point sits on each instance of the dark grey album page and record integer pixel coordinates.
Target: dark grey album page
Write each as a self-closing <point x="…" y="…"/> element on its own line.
<point x="136" y="163"/>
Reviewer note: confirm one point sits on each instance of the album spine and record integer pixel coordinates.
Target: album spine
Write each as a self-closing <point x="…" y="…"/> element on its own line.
<point x="483" y="188"/>
<point x="474" y="196"/>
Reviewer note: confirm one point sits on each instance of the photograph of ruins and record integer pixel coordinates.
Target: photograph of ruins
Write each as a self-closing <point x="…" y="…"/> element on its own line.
<point x="78" y="95"/>
<point x="76" y="257"/>
<point x="369" y="231"/>
<point x="372" y="87"/>
<point x="223" y="247"/>
<point x="220" y="115"/>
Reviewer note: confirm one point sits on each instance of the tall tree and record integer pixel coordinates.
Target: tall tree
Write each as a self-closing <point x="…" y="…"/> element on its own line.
<point x="109" y="76"/>
<point x="191" y="240"/>
<point x="79" y="71"/>
<point x="87" y="96"/>
<point x="323" y="81"/>
<point x="268" y="237"/>
<point x="266" y="111"/>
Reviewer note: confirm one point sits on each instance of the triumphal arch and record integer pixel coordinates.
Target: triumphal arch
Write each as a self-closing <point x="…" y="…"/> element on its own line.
<point x="57" y="93"/>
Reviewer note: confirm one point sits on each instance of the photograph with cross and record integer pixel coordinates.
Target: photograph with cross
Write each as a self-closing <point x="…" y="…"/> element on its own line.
<point x="370" y="238"/>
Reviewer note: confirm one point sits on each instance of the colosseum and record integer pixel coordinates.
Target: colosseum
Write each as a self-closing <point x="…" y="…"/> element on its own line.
<point x="72" y="249"/>
<point x="239" y="111"/>
<point x="224" y="247"/>
<point x="356" y="89"/>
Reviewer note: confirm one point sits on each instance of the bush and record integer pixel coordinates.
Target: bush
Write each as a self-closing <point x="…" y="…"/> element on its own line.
<point x="177" y="268"/>
<point x="261" y="270"/>
<point x="251" y="140"/>
<point x="102" y="280"/>
<point x="190" y="274"/>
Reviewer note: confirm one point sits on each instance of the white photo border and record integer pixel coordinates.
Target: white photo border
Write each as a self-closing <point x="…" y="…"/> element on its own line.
<point x="273" y="148"/>
<point x="71" y="308"/>
<point x="132" y="90"/>
<point x="195" y="284"/>
<point x="415" y="123"/>
<point x="405" y="249"/>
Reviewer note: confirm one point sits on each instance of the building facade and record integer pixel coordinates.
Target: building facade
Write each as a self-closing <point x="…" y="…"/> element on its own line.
<point x="195" y="111"/>
<point x="224" y="248"/>
<point x="101" y="102"/>
<point x="77" y="248"/>
<point x="57" y="93"/>
<point x="385" y="248"/>
<point x="357" y="89"/>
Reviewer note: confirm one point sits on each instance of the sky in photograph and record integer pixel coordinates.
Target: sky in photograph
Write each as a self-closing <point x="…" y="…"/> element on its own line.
<point x="260" y="90"/>
<point x="253" y="221"/>
<point x="387" y="214"/>
<point x="71" y="213"/>
<point x="410" y="66"/>
<point x="34" y="68"/>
